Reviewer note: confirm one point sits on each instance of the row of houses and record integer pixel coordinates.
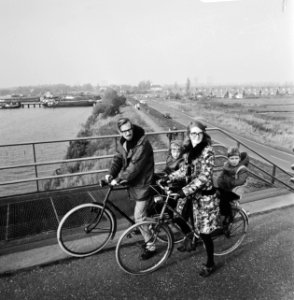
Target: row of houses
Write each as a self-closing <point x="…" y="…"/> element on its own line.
<point x="218" y="92"/>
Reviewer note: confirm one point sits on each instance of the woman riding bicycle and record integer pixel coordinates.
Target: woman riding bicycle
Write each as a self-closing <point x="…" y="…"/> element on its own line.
<point x="205" y="204"/>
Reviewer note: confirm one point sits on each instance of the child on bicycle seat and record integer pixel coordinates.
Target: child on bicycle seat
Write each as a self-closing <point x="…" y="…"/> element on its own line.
<point x="174" y="158"/>
<point x="174" y="161"/>
<point x="232" y="179"/>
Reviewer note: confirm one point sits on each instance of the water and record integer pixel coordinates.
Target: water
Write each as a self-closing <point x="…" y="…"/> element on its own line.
<point x="35" y="125"/>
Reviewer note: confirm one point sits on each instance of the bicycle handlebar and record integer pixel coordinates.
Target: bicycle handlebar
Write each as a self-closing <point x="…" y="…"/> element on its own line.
<point x="166" y="188"/>
<point x="103" y="183"/>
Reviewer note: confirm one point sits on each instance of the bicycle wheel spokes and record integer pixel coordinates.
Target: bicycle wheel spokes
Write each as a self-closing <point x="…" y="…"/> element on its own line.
<point x="227" y="241"/>
<point x="131" y="246"/>
<point x="84" y="230"/>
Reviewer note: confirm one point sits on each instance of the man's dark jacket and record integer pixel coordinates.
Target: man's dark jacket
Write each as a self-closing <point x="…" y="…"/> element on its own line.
<point x="136" y="165"/>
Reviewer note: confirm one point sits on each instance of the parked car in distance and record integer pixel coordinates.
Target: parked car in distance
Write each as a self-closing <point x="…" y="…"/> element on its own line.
<point x="167" y="116"/>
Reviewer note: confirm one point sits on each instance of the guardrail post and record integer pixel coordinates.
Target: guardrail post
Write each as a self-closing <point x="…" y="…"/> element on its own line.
<point x="36" y="170"/>
<point x="274" y="174"/>
<point x="115" y="140"/>
<point x="7" y="223"/>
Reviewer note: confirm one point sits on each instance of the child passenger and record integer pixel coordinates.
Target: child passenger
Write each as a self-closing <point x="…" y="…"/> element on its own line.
<point x="174" y="159"/>
<point x="232" y="179"/>
<point x="174" y="162"/>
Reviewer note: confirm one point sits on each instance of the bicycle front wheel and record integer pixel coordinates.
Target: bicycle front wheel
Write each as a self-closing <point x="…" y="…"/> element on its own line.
<point x="131" y="246"/>
<point x="85" y="230"/>
<point x="228" y="241"/>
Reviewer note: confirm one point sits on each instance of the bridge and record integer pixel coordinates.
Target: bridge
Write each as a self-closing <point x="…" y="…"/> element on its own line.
<point x="31" y="207"/>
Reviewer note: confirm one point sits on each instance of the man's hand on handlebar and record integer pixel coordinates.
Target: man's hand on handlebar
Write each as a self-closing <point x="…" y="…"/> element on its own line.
<point x="108" y="178"/>
<point x="114" y="182"/>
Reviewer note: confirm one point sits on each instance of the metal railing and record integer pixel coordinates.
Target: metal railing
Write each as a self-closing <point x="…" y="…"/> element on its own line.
<point x="36" y="164"/>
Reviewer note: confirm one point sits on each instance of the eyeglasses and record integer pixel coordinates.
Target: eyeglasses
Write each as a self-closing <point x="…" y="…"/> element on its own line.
<point x="196" y="133"/>
<point x="127" y="130"/>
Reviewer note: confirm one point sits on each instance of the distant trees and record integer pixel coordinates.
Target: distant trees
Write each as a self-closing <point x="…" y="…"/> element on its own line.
<point x="144" y="85"/>
<point x="110" y="104"/>
<point x="188" y="87"/>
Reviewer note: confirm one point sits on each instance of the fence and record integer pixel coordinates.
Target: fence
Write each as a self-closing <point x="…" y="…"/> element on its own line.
<point x="34" y="174"/>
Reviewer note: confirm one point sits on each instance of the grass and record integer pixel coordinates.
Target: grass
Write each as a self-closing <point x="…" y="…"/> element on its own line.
<point x="270" y="121"/>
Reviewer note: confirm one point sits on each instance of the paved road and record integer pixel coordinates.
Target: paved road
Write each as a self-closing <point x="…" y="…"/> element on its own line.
<point x="280" y="158"/>
<point x="262" y="268"/>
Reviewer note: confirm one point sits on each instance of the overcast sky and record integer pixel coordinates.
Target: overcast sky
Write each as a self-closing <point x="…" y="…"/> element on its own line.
<point x="164" y="41"/>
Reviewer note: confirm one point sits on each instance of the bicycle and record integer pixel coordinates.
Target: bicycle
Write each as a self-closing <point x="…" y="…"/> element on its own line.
<point x="129" y="246"/>
<point x="87" y="228"/>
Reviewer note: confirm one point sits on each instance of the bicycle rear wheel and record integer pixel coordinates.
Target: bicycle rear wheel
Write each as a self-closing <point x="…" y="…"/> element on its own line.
<point x="85" y="230"/>
<point x="131" y="245"/>
<point x="225" y="243"/>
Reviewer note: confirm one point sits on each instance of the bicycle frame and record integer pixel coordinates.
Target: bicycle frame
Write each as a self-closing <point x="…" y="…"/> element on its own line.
<point x="168" y="194"/>
<point x="109" y="204"/>
<point x="161" y="217"/>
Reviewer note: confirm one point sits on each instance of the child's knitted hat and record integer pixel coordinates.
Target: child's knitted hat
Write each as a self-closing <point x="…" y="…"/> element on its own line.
<point x="233" y="151"/>
<point x="177" y="143"/>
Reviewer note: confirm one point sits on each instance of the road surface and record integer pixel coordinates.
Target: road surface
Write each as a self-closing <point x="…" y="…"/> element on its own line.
<point x="262" y="268"/>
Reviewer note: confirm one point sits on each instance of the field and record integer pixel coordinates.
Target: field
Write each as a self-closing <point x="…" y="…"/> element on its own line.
<point x="266" y="120"/>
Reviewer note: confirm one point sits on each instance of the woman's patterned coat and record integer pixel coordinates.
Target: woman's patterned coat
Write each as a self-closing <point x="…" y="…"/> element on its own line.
<point x="200" y="189"/>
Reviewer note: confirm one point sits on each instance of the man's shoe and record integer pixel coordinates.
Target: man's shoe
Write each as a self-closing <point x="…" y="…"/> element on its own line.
<point x="147" y="254"/>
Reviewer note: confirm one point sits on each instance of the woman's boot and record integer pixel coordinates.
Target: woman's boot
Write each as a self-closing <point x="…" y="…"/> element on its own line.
<point x="187" y="243"/>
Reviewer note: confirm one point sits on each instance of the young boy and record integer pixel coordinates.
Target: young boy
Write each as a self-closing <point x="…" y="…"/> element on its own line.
<point x="232" y="179"/>
<point x="174" y="159"/>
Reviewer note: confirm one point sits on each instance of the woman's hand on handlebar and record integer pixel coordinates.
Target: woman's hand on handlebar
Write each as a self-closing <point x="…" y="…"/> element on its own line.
<point x="176" y="196"/>
<point x="164" y="180"/>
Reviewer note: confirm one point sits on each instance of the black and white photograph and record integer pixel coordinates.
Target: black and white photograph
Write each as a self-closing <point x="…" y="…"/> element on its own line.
<point x="147" y="149"/>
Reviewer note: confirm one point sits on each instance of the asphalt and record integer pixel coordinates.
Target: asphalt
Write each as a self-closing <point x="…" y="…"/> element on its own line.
<point x="253" y="203"/>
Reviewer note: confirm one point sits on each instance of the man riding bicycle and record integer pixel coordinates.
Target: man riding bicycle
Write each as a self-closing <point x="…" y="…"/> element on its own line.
<point x="134" y="163"/>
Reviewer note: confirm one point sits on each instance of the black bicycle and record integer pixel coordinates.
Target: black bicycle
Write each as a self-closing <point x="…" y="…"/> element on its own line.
<point x="87" y="228"/>
<point x="165" y="233"/>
